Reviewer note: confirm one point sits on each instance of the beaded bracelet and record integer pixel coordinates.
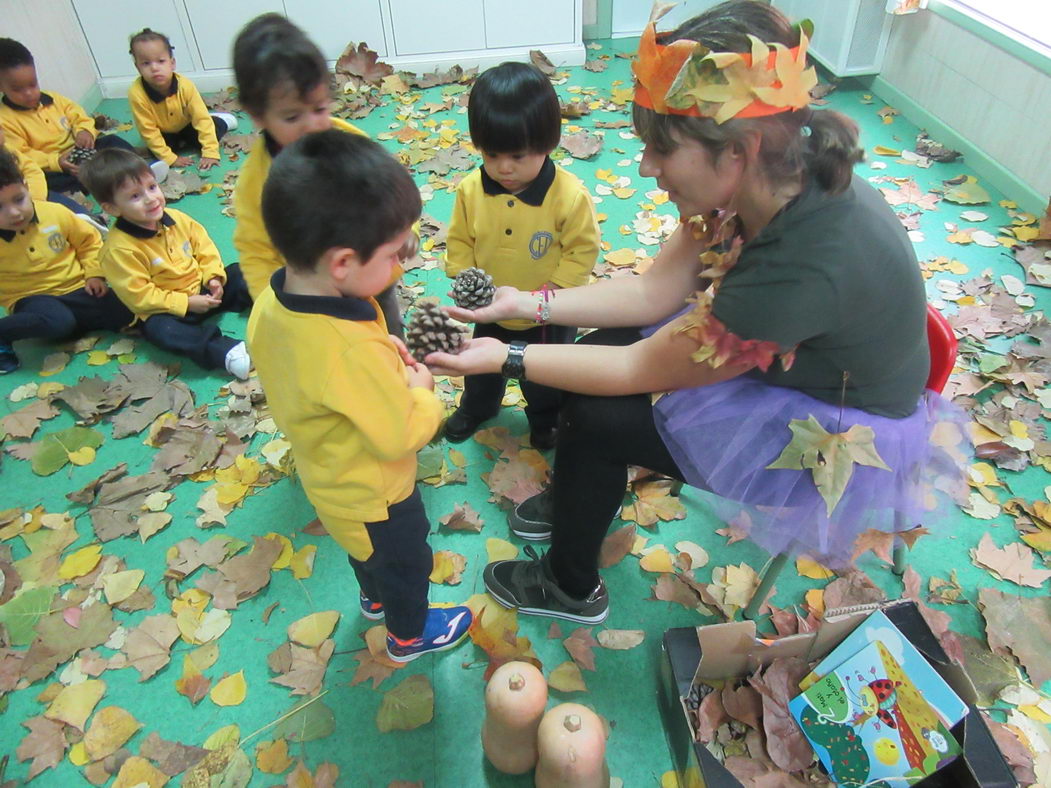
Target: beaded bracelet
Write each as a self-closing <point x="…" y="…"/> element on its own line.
<point x="543" y="305"/>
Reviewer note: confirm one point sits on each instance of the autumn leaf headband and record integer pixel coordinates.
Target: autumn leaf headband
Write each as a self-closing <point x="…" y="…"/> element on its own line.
<point x="686" y="78"/>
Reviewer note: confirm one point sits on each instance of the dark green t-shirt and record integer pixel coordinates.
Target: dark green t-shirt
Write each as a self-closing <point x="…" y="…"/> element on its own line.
<point x="835" y="275"/>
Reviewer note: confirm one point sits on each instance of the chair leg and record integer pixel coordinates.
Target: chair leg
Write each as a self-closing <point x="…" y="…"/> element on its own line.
<point x="899" y="556"/>
<point x="676" y="488"/>
<point x="766" y="582"/>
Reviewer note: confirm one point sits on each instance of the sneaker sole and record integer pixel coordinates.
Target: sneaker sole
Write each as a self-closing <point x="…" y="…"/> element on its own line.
<point x="374" y="616"/>
<point x="411" y="657"/>
<point x="534" y="611"/>
<point x="527" y="529"/>
<point x="532" y="536"/>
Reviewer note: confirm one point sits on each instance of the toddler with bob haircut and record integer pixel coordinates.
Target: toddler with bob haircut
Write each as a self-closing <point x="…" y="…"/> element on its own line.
<point x="283" y="85"/>
<point x="164" y="266"/>
<point x="527" y="223"/>
<point x="348" y="396"/>
<point x="167" y="107"/>
<point x="50" y="281"/>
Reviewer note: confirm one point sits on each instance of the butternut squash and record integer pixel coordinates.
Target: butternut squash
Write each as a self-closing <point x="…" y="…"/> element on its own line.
<point x="572" y="746"/>
<point x="515" y="698"/>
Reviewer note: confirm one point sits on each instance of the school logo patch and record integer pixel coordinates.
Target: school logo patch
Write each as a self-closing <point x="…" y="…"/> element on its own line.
<point x="540" y="243"/>
<point x="57" y="242"/>
<point x="186" y="248"/>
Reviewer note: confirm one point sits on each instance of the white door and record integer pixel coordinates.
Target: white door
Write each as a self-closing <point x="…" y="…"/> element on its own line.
<point x="629" y="16"/>
<point x="335" y="23"/>
<point x="510" y="23"/>
<point x="216" y="25"/>
<point x="430" y="26"/>
<point x="109" y="27"/>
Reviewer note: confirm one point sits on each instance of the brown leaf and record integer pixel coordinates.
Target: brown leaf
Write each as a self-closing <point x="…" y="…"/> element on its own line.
<point x="580" y="645"/>
<point x="581" y="144"/>
<point x="171" y="757"/>
<point x="86" y="494"/>
<point x="307" y="668"/>
<point x="617" y="545"/>
<point x="744" y="704"/>
<point x="597" y="66"/>
<point x="671" y="588"/>
<point x="57" y="641"/>
<point x="1013" y="562"/>
<point x="1021" y="627"/>
<point x="709" y="716"/>
<point x="362" y="62"/>
<point x="787" y="746"/>
<point x="853" y="588"/>
<point x="938" y="621"/>
<point x="539" y="59"/>
<point x="23" y="422"/>
<point x="148" y="645"/>
<point x="251" y="572"/>
<point x="463" y="518"/>
<point x="371" y="669"/>
<point x="45" y="744"/>
<point x="1018" y="756"/>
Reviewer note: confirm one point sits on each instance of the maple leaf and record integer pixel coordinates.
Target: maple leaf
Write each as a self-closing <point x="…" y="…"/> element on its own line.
<point x="580" y="645"/>
<point x="830" y="456"/>
<point x="45" y="744"/>
<point x="463" y="518"/>
<point x="23" y="422"/>
<point x="172" y="758"/>
<point x="407" y="706"/>
<point x="581" y="144"/>
<point x="881" y="543"/>
<point x="307" y="668"/>
<point x="1013" y="563"/>
<point x="520" y="478"/>
<point x="1019" y="627"/>
<point x="540" y="60"/>
<point x="653" y="502"/>
<point x="364" y="63"/>
<point x="448" y="567"/>
<point x="370" y="669"/>
<point x="148" y="646"/>
<point x="616" y="545"/>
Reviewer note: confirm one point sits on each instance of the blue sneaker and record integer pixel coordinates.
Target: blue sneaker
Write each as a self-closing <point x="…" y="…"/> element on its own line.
<point x="371" y="610"/>
<point x="8" y="360"/>
<point x="444" y="628"/>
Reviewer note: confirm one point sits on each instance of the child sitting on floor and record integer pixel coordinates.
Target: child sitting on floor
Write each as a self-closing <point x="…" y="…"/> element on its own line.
<point x="524" y="221"/>
<point x="164" y="266"/>
<point x="168" y="109"/>
<point x="50" y="281"/>
<point x="48" y="126"/>
<point x="347" y="395"/>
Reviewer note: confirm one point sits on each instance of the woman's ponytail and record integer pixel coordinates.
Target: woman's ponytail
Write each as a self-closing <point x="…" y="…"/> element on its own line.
<point x="832" y="149"/>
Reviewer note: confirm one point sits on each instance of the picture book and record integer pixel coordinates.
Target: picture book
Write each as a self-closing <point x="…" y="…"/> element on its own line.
<point x="870" y="724"/>
<point x="877" y="627"/>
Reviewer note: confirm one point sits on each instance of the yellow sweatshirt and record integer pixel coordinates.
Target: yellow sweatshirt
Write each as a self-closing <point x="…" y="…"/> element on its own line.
<point x="47" y="131"/>
<point x="546" y="233"/>
<point x="337" y="388"/>
<point x="257" y="255"/>
<point x="52" y="256"/>
<point x="155" y="113"/>
<point x="31" y="173"/>
<point x="156" y="272"/>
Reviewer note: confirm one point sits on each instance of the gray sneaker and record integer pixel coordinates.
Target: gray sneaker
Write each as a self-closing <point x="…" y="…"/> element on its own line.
<point x="529" y="586"/>
<point x="531" y="519"/>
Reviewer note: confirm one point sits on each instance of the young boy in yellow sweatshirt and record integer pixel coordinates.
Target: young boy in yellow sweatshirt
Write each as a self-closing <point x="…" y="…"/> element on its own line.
<point x="51" y="283"/>
<point x="167" y="107"/>
<point x="524" y="221"/>
<point x="283" y="84"/>
<point x="347" y="395"/>
<point x="48" y="126"/>
<point x="164" y="266"/>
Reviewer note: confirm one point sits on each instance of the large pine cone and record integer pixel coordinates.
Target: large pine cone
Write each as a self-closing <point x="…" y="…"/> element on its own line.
<point x="430" y="330"/>
<point x="473" y="288"/>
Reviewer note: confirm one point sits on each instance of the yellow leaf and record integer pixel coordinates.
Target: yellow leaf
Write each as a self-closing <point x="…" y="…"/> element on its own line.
<point x="567" y="678"/>
<point x="137" y="772"/>
<point x="272" y="757"/>
<point x="883" y="150"/>
<point x="815" y="599"/>
<point x="621" y="257"/>
<point x="82" y="456"/>
<point x="225" y="735"/>
<point x="230" y="494"/>
<point x="500" y="550"/>
<point x="808" y="567"/>
<point x="669" y="780"/>
<point x="1039" y="541"/>
<point x="958" y="268"/>
<point x="96" y="358"/>
<point x="110" y="728"/>
<point x="312" y="630"/>
<point x="657" y="560"/>
<point x="230" y="690"/>
<point x="78" y="754"/>
<point x="448" y="567"/>
<point x="302" y="563"/>
<point x="73" y="704"/>
<point x="118" y="586"/>
<point x="53" y="364"/>
<point x="284" y="558"/>
<point x="624" y="192"/>
<point x="81" y="562"/>
<point x="45" y="390"/>
<point x="1036" y="713"/>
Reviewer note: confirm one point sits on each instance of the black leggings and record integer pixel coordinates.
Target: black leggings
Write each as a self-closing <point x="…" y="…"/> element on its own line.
<point x="598" y="438"/>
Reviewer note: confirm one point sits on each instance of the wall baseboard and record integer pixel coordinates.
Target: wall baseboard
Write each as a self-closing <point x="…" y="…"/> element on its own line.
<point x="92" y="98"/>
<point x="987" y="168"/>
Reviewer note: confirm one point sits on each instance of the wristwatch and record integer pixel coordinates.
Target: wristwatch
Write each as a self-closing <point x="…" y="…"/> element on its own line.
<point x="514" y="365"/>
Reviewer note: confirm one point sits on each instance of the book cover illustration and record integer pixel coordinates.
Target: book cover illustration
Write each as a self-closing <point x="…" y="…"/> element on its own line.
<point x="870" y="725"/>
<point x="877" y="627"/>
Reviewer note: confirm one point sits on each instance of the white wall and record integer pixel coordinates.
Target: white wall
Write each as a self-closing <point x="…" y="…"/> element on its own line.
<point x="998" y="103"/>
<point x="51" y="31"/>
<point x="630" y="16"/>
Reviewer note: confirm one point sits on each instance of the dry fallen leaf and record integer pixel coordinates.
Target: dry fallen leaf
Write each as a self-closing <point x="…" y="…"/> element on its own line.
<point x="567" y="678"/>
<point x="1014" y="562"/>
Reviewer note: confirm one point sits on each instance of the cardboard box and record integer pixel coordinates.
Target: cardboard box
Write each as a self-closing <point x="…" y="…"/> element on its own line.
<point x="721" y="651"/>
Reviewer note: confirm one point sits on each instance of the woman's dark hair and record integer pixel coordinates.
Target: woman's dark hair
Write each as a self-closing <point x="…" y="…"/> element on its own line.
<point x="13" y="54"/>
<point x="9" y="172"/>
<point x="331" y="190"/>
<point x="270" y="52"/>
<point x="145" y="35"/>
<point x="828" y="153"/>
<point x="513" y="108"/>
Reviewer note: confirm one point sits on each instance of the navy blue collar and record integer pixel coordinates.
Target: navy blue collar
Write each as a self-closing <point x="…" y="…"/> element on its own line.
<point x="533" y="194"/>
<point x="271" y="144"/>
<point x="342" y="307"/>
<point x="9" y="235"/>
<point x="45" y="101"/>
<point x="155" y="95"/>
<point x="138" y="231"/>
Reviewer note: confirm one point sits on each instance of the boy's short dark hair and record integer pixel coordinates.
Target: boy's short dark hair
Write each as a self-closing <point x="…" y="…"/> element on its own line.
<point x="334" y="189"/>
<point x="109" y="169"/>
<point x="145" y="35"/>
<point x="13" y="54"/>
<point x="513" y="108"/>
<point x="9" y="171"/>
<point x="271" y="52"/>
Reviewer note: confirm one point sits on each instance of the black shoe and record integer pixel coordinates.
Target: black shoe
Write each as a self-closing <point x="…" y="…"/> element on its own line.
<point x="461" y="425"/>
<point x="543" y="438"/>
<point x="531" y="519"/>
<point x="8" y="360"/>
<point x="529" y="586"/>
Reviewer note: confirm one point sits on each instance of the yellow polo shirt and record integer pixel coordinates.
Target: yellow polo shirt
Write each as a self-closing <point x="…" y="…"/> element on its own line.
<point x="338" y="390"/>
<point x="31" y="174"/>
<point x="156" y="271"/>
<point x="47" y="131"/>
<point x="545" y="233"/>
<point x="156" y="114"/>
<point x="52" y="256"/>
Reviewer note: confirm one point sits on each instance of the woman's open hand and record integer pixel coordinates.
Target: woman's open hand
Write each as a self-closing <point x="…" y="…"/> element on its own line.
<point x="503" y="307"/>
<point x="477" y="356"/>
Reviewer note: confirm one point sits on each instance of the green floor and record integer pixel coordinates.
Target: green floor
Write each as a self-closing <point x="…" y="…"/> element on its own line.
<point x="445" y="751"/>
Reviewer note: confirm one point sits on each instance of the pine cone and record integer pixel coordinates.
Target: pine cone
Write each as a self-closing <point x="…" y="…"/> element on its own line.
<point x="473" y="288"/>
<point x="431" y="330"/>
<point x="80" y="155"/>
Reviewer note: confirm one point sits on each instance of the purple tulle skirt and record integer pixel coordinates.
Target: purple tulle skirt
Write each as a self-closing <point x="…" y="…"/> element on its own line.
<point x="723" y="436"/>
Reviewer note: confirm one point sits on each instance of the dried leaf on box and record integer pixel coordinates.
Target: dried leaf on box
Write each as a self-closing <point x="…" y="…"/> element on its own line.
<point x="407" y="706"/>
<point x="777" y="684"/>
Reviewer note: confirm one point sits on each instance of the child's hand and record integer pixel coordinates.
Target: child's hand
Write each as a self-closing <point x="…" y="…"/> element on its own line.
<point x="85" y="139"/>
<point x="420" y="376"/>
<point x="215" y="288"/>
<point x="66" y="165"/>
<point x="182" y="161"/>
<point x="504" y="307"/>
<point x="199" y="304"/>
<point x="96" y="286"/>
<point x="206" y="163"/>
<point x="476" y="357"/>
<point x="403" y="351"/>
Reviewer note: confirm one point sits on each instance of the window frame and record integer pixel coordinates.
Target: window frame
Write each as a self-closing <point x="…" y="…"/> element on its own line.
<point x="1011" y="41"/>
